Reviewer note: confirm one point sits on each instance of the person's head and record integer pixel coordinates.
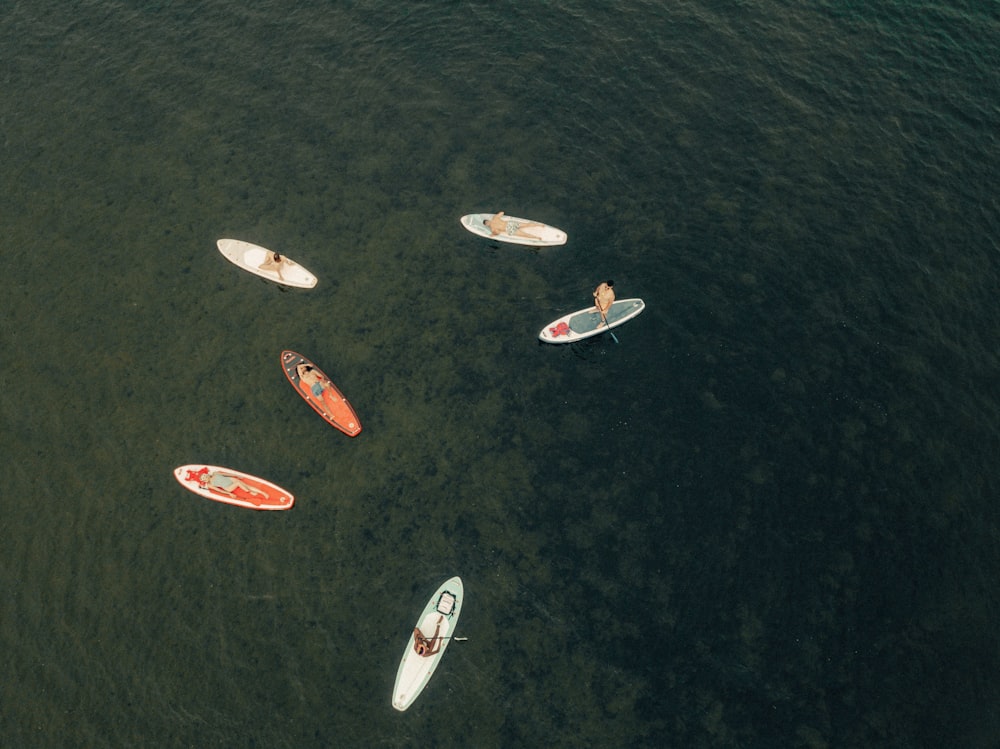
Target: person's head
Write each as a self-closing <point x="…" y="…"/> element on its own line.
<point x="486" y="222"/>
<point x="277" y="257"/>
<point x="610" y="283"/>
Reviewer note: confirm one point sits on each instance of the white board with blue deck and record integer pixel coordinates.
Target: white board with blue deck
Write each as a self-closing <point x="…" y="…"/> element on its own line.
<point x="543" y="235"/>
<point x="587" y="322"/>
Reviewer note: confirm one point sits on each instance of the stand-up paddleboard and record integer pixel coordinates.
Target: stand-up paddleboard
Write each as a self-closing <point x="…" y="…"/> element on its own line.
<point x="251" y="257"/>
<point x="439" y="616"/>
<point x="233" y="487"/>
<point x="320" y="393"/>
<point x="542" y="235"/>
<point x="588" y="322"/>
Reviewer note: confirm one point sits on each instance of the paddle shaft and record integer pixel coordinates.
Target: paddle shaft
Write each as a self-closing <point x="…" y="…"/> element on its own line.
<point x="605" y="317"/>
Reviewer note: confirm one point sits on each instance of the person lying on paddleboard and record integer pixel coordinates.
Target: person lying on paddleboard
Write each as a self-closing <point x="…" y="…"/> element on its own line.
<point x="274" y="262"/>
<point x="225" y="484"/>
<point x="604" y="297"/>
<point x="317" y="387"/>
<point x="500" y="225"/>
<point x="426" y="647"/>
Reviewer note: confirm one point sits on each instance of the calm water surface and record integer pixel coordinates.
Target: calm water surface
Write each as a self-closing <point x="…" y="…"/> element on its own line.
<point x="766" y="518"/>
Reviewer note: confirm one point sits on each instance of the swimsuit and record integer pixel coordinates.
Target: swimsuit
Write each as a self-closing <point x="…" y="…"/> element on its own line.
<point x="220" y="481"/>
<point x="325" y="398"/>
<point x="512" y="227"/>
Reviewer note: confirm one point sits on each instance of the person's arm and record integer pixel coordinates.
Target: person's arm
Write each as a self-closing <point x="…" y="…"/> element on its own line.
<point x="435" y="645"/>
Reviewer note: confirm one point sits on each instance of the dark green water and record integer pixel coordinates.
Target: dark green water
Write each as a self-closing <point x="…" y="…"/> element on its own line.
<point x="766" y="518"/>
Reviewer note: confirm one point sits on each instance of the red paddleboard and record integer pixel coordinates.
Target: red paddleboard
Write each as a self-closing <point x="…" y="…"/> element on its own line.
<point x="320" y="393"/>
<point x="233" y="487"/>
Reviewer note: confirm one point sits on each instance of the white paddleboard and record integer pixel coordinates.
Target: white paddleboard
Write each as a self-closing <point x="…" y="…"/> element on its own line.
<point x="543" y="235"/>
<point x="250" y="257"/>
<point x="440" y="615"/>
<point x="587" y="322"/>
<point x="233" y="487"/>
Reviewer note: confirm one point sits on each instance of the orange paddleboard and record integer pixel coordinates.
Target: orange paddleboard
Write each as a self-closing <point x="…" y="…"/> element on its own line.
<point x="233" y="487"/>
<point x="320" y="393"/>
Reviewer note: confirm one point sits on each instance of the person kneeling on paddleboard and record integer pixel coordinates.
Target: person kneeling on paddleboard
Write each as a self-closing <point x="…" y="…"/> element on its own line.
<point x="604" y="297"/>
<point x="427" y="647"/>
<point x="273" y="262"/>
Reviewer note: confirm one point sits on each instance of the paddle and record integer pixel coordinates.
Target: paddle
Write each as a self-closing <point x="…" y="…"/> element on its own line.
<point x="609" y="326"/>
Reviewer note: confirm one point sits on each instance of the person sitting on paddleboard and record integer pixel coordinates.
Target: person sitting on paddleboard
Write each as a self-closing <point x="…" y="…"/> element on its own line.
<point x="604" y="297"/>
<point x="426" y="647"/>
<point x="500" y="225"/>
<point x="274" y="262"/>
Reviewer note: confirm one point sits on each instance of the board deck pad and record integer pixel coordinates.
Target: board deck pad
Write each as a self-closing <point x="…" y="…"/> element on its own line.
<point x="329" y="402"/>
